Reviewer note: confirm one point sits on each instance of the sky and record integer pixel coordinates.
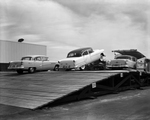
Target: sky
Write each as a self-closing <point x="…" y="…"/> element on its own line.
<point x="65" y="25"/>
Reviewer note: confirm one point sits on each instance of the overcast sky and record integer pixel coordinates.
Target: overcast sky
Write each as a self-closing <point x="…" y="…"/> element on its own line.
<point x="64" y="25"/>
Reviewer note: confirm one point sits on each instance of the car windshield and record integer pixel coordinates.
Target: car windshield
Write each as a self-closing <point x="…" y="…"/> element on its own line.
<point x="45" y="58"/>
<point x="26" y="58"/>
<point x="123" y="57"/>
<point x="74" y="54"/>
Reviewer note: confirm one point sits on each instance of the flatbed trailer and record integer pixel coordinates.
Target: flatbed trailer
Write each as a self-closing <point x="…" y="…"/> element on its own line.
<point x="47" y="89"/>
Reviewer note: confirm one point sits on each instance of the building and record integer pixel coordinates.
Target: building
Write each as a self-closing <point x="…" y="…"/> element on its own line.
<point x="12" y="51"/>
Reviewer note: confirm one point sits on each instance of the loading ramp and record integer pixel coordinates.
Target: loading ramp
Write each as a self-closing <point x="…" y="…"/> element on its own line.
<point x="120" y="81"/>
<point x="47" y="89"/>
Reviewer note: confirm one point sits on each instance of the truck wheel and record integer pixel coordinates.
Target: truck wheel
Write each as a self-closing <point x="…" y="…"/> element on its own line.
<point x="20" y="71"/>
<point x="56" y="68"/>
<point x="31" y="70"/>
<point x="82" y="68"/>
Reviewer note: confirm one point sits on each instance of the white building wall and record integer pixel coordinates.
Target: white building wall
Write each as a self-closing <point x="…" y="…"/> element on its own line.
<point x="11" y="51"/>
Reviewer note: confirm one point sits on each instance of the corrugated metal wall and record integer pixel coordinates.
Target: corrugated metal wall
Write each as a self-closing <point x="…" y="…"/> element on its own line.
<point x="10" y="51"/>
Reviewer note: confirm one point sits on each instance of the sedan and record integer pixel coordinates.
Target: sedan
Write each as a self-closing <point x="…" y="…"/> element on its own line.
<point x="122" y="61"/>
<point x="77" y="59"/>
<point x="32" y="63"/>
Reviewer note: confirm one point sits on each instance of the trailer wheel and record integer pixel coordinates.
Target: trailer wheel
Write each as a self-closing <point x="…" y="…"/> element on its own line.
<point x="31" y="70"/>
<point x="20" y="71"/>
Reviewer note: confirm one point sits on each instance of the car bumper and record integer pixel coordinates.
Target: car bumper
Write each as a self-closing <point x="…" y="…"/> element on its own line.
<point x="67" y="67"/>
<point x="117" y="66"/>
<point x="16" y="68"/>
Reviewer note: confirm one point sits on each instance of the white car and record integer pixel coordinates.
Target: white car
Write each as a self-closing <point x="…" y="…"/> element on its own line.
<point x="122" y="61"/>
<point x="77" y="59"/>
<point x="32" y="63"/>
<point x="127" y="59"/>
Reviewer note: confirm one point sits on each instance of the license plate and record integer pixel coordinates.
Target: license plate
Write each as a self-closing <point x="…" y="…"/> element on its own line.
<point x="66" y="66"/>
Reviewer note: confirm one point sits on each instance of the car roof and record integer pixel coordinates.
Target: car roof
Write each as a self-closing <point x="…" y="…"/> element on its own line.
<point x="81" y="49"/>
<point x="124" y="56"/>
<point x="35" y="56"/>
<point x="131" y="52"/>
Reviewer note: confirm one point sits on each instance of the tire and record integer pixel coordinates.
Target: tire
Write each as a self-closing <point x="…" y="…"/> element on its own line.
<point x="82" y="68"/>
<point x="31" y="70"/>
<point x="20" y="71"/>
<point x="56" y="68"/>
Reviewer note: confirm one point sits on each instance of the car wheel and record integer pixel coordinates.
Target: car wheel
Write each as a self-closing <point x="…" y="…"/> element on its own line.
<point x="82" y="67"/>
<point x="31" y="70"/>
<point x="56" y="68"/>
<point x="20" y="71"/>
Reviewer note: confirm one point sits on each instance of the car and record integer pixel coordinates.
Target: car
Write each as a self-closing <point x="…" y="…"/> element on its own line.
<point x="32" y="63"/>
<point x="78" y="58"/>
<point x="132" y="59"/>
<point x="122" y="61"/>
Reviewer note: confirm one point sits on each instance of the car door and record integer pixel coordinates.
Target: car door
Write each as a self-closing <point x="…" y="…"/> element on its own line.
<point x="141" y="64"/>
<point x="131" y="62"/>
<point x="38" y="63"/>
<point x="95" y="56"/>
<point x="86" y="57"/>
<point x="46" y="64"/>
<point x="27" y="62"/>
<point x="134" y="62"/>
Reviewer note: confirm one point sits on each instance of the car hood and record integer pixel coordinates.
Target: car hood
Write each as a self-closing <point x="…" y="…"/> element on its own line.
<point x="118" y="61"/>
<point x="132" y="52"/>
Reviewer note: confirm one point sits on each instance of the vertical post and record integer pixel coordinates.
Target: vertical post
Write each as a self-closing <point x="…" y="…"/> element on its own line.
<point x="121" y="74"/>
<point x="94" y="85"/>
<point x="140" y="73"/>
<point x="113" y="84"/>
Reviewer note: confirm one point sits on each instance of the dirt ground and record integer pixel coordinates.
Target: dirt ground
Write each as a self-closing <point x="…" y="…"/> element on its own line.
<point x="127" y="105"/>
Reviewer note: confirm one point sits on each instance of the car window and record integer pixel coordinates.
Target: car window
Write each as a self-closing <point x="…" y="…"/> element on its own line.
<point x="26" y="58"/>
<point x="90" y="50"/>
<point x="85" y="53"/>
<point x="38" y="59"/>
<point x="45" y="58"/>
<point x="74" y="54"/>
<point x="134" y="59"/>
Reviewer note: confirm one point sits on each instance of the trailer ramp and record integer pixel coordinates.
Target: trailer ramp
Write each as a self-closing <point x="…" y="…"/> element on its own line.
<point x="47" y="89"/>
<point x="34" y="90"/>
<point x="117" y="82"/>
